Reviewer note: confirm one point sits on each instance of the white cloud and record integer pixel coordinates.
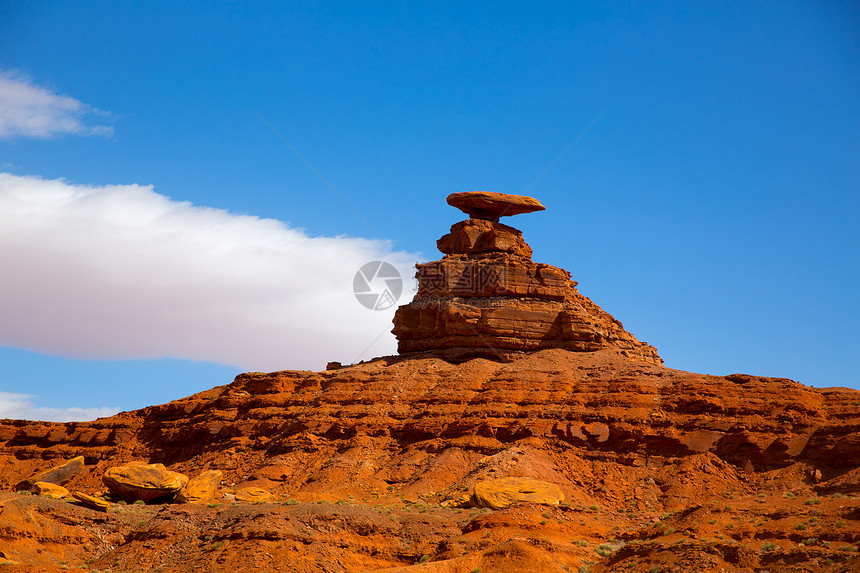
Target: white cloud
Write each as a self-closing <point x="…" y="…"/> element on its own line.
<point x="33" y="111"/>
<point x="19" y="407"/>
<point x="123" y="272"/>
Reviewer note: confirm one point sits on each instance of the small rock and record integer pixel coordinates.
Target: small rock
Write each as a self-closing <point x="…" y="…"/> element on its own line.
<point x="91" y="502"/>
<point x="6" y="560"/>
<point x="51" y="490"/>
<point x="816" y="475"/>
<point x="201" y="489"/>
<point x="253" y="495"/>
<point x="333" y="366"/>
<point x="139" y="480"/>
<point x="498" y="494"/>
<point x="749" y="468"/>
<point x="59" y="475"/>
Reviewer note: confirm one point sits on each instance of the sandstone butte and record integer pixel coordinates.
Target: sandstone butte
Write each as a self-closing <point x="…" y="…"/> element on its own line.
<point x="598" y="457"/>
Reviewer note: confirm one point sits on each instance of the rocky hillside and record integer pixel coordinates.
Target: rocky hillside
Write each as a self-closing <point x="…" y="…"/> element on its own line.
<point x="522" y="429"/>
<point x="374" y="467"/>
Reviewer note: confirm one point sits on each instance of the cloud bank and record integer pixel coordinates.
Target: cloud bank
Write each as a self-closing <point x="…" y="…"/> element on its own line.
<point x="120" y="271"/>
<point x="29" y="110"/>
<point x="19" y="407"/>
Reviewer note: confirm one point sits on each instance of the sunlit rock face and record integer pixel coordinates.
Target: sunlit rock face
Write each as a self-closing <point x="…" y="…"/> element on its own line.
<point x="487" y="298"/>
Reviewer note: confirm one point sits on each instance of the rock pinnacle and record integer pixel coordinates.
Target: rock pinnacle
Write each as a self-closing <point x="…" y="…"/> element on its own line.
<point x="487" y="298"/>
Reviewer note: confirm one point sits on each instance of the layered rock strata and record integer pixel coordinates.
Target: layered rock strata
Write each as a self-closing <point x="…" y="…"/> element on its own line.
<point x="371" y="463"/>
<point x="487" y="298"/>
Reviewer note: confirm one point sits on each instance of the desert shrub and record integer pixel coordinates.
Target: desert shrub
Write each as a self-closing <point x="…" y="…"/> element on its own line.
<point x="768" y="546"/>
<point x="812" y="501"/>
<point x="611" y="546"/>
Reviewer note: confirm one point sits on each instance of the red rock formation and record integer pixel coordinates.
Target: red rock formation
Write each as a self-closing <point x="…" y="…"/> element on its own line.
<point x="486" y="298"/>
<point x="372" y="467"/>
<point x="390" y="447"/>
<point x="490" y="206"/>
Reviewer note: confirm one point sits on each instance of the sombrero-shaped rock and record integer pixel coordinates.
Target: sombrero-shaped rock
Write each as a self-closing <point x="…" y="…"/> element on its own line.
<point x="491" y="206"/>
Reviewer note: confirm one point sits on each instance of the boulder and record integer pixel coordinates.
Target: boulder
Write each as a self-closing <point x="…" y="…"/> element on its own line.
<point x="481" y="236"/>
<point x="141" y="481"/>
<point x="58" y="475"/>
<point x="202" y="488"/>
<point x="51" y="490"/>
<point x="6" y="560"/>
<point x="490" y="206"/>
<point x="91" y="501"/>
<point x="500" y="493"/>
<point x="254" y="495"/>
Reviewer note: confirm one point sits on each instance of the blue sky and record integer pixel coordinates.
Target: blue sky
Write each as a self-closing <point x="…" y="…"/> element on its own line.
<point x="158" y="236"/>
